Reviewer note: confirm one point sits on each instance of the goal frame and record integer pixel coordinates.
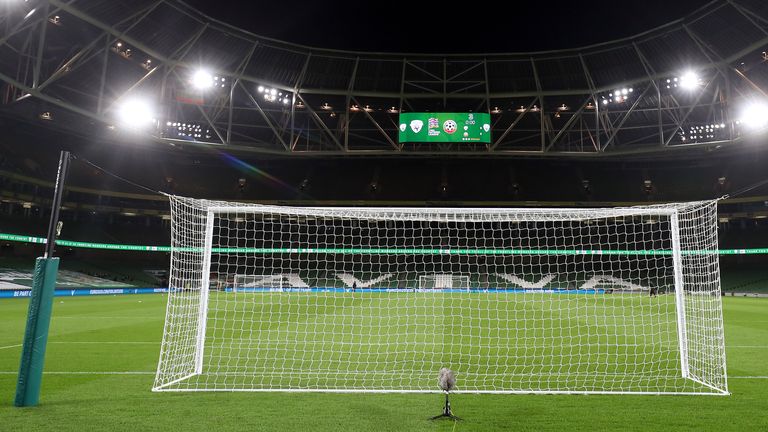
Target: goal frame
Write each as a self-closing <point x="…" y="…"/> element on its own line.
<point x="280" y="288"/>
<point x="679" y="288"/>
<point x="453" y="276"/>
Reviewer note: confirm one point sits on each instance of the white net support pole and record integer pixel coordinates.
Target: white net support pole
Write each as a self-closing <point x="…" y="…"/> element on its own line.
<point x="204" y="293"/>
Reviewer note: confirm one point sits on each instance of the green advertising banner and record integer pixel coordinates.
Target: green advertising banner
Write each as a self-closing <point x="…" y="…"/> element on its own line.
<point x="445" y="127"/>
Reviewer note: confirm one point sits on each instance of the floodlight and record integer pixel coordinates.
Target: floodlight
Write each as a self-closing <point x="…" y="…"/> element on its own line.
<point x="261" y="89"/>
<point x="29" y="14"/>
<point x="202" y="80"/>
<point x="755" y="115"/>
<point x="689" y="80"/>
<point x="136" y="113"/>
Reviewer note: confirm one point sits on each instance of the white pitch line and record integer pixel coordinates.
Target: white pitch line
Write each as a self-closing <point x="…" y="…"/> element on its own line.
<point x="9" y="346"/>
<point x="108" y="342"/>
<point x="107" y="317"/>
<point x="272" y="342"/>
<point x="87" y="373"/>
<point x="88" y="343"/>
<point x="152" y="373"/>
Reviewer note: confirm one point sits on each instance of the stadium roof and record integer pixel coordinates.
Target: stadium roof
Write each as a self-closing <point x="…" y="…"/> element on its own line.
<point x="435" y="28"/>
<point x="72" y="64"/>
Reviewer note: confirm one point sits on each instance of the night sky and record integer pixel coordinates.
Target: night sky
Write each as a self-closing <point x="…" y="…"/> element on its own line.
<point x="438" y="28"/>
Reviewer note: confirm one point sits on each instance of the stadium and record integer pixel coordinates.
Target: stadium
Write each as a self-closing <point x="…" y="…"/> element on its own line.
<point x="229" y="216"/>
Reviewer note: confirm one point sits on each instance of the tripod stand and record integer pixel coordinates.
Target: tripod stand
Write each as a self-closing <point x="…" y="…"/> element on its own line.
<point x="446" y="411"/>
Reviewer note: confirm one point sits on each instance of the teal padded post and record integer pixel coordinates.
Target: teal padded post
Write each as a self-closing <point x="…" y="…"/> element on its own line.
<point x="36" y="334"/>
<point x="41" y="302"/>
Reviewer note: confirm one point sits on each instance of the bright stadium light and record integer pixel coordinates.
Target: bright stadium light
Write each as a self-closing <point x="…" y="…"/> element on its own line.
<point x="136" y="113"/>
<point x="689" y="80"/>
<point x="202" y="80"/>
<point x="620" y="95"/>
<point x="29" y="14"/>
<point x="274" y="95"/>
<point x="755" y="115"/>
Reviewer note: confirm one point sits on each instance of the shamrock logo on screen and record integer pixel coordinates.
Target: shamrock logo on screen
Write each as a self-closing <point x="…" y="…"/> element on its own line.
<point x="486" y="127"/>
<point x="450" y="126"/>
<point x="416" y="125"/>
<point x="402" y="127"/>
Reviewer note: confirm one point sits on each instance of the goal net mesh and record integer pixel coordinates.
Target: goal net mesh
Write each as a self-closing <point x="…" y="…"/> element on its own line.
<point x="270" y="298"/>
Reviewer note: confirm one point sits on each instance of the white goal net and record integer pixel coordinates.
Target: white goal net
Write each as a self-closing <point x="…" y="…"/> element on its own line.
<point x="256" y="283"/>
<point x="615" y="300"/>
<point x="444" y="281"/>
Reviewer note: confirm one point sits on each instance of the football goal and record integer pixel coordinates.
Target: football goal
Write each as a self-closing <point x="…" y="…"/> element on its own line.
<point x="256" y="283"/>
<point x="444" y="281"/>
<point x="611" y="300"/>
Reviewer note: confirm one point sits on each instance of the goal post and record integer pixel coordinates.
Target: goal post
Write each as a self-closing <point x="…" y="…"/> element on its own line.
<point x="204" y="292"/>
<point x="679" y="284"/>
<point x="613" y="300"/>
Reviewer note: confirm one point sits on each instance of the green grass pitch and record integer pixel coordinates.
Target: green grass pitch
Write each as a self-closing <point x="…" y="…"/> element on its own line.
<point x="397" y="340"/>
<point x="103" y="352"/>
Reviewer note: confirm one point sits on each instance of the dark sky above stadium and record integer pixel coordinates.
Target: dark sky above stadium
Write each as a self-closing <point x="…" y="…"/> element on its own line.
<point x="441" y="27"/>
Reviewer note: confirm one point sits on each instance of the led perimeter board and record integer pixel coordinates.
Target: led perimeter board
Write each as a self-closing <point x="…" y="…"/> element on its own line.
<point x="445" y="127"/>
